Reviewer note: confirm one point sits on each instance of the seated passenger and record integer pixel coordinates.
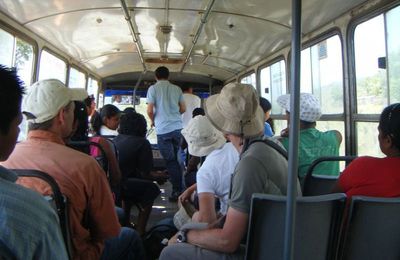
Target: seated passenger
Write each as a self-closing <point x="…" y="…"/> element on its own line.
<point x="90" y="103"/>
<point x="312" y="142"/>
<point x="106" y="121"/>
<point x="29" y="226"/>
<point x="377" y="177"/>
<point x="213" y="177"/>
<point x="266" y="106"/>
<point x="95" y="230"/>
<point x="136" y="163"/>
<point x="261" y="169"/>
<point x="81" y="134"/>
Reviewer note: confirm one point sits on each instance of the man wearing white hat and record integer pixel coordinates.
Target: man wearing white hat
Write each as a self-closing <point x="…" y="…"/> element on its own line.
<point x="261" y="169"/>
<point x="94" y="226"/>
<point x="312" y="142"/>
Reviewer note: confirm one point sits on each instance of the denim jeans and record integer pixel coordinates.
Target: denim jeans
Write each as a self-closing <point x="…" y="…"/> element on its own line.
<point x="128" y="245"/>
<point x="169" y="144"/>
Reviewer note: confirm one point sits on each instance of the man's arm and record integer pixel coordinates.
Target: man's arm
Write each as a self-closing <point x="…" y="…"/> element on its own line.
<point x="206" y="211"/>
<point x="150" y="112"/>
<point x="227" y="239"/>
<point x="182" y="107"/>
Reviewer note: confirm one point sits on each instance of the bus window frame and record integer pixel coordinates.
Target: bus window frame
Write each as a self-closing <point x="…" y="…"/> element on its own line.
<point x="50" y="51"/>
<point x="18" y="34"/>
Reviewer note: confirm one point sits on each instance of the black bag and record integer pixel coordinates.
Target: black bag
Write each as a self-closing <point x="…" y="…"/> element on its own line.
<point x="157" y="238"/>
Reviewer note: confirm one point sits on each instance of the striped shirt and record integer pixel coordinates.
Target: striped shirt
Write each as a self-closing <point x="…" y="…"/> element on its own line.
<point x="29" y="226"/>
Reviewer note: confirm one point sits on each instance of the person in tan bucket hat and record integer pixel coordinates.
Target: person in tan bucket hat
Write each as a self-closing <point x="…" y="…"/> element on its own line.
<point x="261" y="169"/>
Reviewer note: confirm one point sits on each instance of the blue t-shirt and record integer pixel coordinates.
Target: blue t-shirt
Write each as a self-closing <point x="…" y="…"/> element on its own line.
<point x="166" y="98"/>
<point x="268" y="130"/>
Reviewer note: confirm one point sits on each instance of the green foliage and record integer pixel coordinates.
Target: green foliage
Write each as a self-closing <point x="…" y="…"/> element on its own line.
<point x="23" y="53"/>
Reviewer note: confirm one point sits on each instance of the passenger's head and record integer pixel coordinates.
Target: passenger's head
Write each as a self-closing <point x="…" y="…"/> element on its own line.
<point x="49" y="104"/>
<point x="236" y="111"/>
<point x="266" y="107"/>
<point x="129" y="110"/>
<point x="133" y="124"/>
<point x="109" y="116"/>
<point x="202" y="137"/>
<point x="198" y="111"/>
<point x="11" y="92"/>
<point x="80" y="126"/>
<point x="310" y="108"/>
<point x="187" y="89"/>
<point x="90" y="104"/>
<point x="162" y="73"/>
<point x="389" y="130"/>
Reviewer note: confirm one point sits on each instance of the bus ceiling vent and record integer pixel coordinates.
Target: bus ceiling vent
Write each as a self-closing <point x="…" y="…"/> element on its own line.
<point x="166" y="29"/>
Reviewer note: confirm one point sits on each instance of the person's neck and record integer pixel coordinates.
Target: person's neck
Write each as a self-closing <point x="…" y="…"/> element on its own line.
<point x="393" y="153"/>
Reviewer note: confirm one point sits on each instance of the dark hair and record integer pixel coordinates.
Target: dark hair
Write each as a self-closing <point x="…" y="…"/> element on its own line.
<point x="88" y="101"/>
<point x="389" y="123"/>
<point x="98" y="119"/>
<point x="185" y="88"/>
<point x="265" y="104"/>
<point x="129" y="110"/>
<point x="198" y="111"/>
<point x="133" y="124"/>
<point x="11" y="91"/>
<point x="81" y="118"/>
<point x="162" y="72"/>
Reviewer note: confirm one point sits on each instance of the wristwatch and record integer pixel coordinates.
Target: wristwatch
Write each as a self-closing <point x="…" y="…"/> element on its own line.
<point x="181" y="236"/>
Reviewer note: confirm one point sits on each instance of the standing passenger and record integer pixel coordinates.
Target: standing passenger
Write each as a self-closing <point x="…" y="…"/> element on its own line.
<point x="261" y="169"/>
<point x="191" y="102"/>
<point x="165" y="105"/>
<point x="95" y="230"/>
<point x="312" y="142"/>
<point x="29" y="226"/>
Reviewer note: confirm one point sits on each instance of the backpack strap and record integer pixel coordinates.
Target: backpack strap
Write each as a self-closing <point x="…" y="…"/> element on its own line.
<point x="270" y="143"/>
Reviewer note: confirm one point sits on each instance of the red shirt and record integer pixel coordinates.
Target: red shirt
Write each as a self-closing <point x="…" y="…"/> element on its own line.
<point x="370" y="176"/>
<point x="83" y="182"/>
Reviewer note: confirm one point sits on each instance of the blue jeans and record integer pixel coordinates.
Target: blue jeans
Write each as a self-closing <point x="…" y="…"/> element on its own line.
<point x="169" y="144"/>
<point x="128" y="245"/>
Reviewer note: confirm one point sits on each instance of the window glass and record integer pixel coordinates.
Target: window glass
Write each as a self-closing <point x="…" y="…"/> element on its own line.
<point x="93" y="87"/>
<point x="367" y="139"/>
<point x="322" y="74"/>
<point x="52" y="67"/>
<point x="273" y="84"/>
<point x="370" y="79"/>
<point x="393" y="60"/>
<point x="24" y="61"/>
<point x="77" y="79"/>
<point x="250" y="79"/>
<point x="6" y="48"/>
<point x="279" y="125"/>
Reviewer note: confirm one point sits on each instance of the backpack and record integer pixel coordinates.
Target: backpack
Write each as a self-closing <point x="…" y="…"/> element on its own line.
<point x="157" y="238"/>
<point x="269" y="142"/>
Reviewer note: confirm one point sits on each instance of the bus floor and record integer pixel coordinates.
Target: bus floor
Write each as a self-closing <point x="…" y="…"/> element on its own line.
<point x="162" y="207"/>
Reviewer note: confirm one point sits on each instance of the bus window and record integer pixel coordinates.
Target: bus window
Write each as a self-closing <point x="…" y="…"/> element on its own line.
<point x="77" y="79"/>
<point x="249" y="79"/>
<point x="17" y="53"/>
<point x="322" y="74"/>
<point x="52" y="67"/>
<point x="377" y="67"/>
<point x="93" y="89"/>
<point x="367" y="139"/>
<point x="273" y="84"/>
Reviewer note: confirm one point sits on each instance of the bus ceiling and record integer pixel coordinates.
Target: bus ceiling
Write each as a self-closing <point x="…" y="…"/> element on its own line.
<point x="217" y="39"/>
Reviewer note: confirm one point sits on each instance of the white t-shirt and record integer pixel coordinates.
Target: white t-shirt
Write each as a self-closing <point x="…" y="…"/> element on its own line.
<point x="214" y="175"/>
<point x="104" y="130"/>
<point x="191" y="102"/>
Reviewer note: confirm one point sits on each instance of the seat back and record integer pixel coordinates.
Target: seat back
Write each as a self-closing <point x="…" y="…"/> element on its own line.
<point x="159" y="162"/>
<point x="372" y="229"/>
<point x="57" y="200"/>
<point x="317" y="225"/>
<point x="321" y="184"/>
<point x="84" y="146"/>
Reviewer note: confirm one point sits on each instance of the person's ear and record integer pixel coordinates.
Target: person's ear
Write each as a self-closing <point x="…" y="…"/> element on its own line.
<point x="387" y="142"/>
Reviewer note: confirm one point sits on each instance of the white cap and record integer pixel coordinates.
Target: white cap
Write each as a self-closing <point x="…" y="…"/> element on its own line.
<point x="202" y="137"/>
<point x="45" y="98"/>
<point x="310" y="109"/>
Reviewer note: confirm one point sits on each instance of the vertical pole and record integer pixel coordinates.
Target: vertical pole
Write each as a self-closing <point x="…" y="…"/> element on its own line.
<point x="293" y="131"/>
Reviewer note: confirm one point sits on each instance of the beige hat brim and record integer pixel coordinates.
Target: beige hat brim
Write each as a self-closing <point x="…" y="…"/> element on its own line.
<point x="200" y="151"/>
<point x="252" y="128"/>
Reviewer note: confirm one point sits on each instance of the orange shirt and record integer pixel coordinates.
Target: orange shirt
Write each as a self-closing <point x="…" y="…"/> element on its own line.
<point x="81" y="180"/>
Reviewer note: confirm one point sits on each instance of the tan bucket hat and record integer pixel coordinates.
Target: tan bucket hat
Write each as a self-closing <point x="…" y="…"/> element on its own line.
<point x="236" y="110"/>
